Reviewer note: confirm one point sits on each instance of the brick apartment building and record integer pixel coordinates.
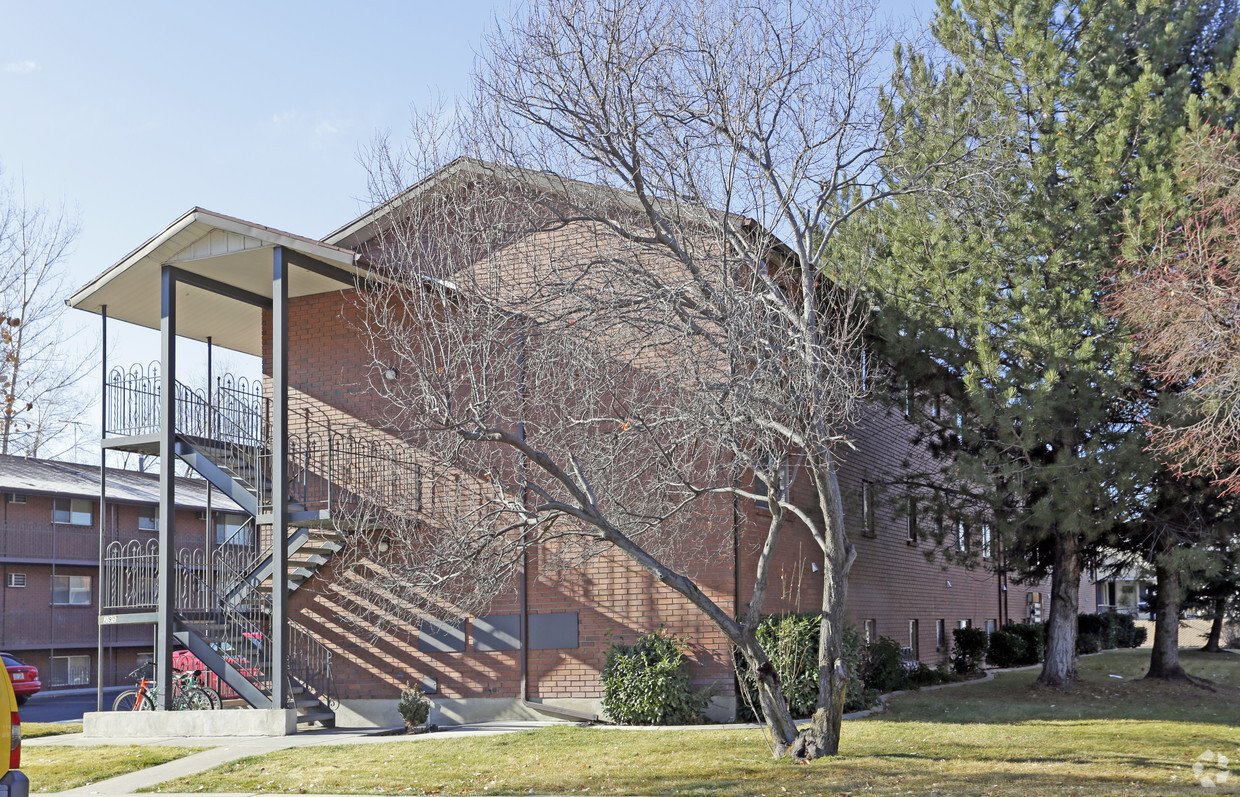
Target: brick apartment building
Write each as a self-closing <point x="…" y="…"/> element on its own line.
<point x="49" y="562"/>
<point x="540" y="648"/>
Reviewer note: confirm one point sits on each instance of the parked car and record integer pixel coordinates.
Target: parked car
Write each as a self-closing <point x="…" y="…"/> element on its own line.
<point x="24" y="677"/>
<point x="13" y="782"/>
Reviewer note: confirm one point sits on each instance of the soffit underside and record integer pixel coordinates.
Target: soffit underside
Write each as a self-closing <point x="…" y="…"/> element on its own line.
<point x="131" y="290"/>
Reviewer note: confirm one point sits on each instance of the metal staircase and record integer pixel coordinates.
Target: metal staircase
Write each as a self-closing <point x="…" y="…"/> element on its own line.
<point x="223" y="600"/>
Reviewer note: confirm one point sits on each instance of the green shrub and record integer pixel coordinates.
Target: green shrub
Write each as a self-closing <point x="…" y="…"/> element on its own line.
<point x="1094" y="625"/>
<point x="647" y="683"/>
<point x="925" y="676"/>
<point x="882" y="667"/>
<point x="791" y="643"/>
<point x="1088" y="643"/>
<point x="413" y="707"/>
<point x="1006" y="648"/>
<point x="969" y="649"/>
<point x="1033" y="635"/>
<point x="1139" y="635"/>
<point x="856" y="697"/>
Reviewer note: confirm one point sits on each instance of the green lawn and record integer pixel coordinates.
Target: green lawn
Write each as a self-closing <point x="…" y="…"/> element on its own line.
<point x="1109" y="736"/>
<point x="33" y="730"/>
<point x="56" y="768"/>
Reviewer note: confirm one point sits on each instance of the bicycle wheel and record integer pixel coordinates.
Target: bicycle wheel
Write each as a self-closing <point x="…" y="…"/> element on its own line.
<point x="128" y="701"/>
<point x="194" y="699"/>
<point x="216" y="701"/>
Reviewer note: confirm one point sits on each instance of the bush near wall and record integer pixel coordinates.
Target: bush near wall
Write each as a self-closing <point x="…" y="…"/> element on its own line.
<point x="647" y="683"/>
<point x="791" y="643"/>
<point x="969" y="649"/>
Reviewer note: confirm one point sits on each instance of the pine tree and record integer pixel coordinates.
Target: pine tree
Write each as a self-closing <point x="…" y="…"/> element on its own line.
<point x="993" y="308"/>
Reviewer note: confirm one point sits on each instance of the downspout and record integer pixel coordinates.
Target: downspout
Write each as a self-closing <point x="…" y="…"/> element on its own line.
<point x="523" y="586"/>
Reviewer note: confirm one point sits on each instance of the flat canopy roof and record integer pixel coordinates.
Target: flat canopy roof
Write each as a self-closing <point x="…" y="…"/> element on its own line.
<point x="230" y="251"/>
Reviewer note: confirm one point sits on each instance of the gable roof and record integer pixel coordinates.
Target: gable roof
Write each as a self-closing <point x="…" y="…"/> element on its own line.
<point x="78" y="480"/>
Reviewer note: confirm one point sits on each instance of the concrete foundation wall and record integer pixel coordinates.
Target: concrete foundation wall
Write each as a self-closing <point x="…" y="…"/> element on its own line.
<point x="145" y="724"/>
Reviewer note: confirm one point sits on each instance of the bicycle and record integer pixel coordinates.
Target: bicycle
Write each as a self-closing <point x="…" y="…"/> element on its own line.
<point x="195" y="679"/>
<point x="186" y="694"/>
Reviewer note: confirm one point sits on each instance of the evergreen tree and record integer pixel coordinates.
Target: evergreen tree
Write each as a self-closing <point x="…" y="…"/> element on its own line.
<point x="993" y="308"/>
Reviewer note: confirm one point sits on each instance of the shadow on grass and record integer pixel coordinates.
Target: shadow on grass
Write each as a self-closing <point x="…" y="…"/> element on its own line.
<point x="1112" y="687"/>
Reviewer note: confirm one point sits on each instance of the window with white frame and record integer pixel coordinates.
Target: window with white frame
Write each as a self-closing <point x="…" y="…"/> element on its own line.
<point x="992" y="626"/>
<point x="70" y="670"/>
<point x="986" y="541"/>
<point x="962" y="537"/>
<point x="17" y="498"/>
<point x="867" y="509"/>
<point x="233" y="529"/>
<point x="72" y="511"/>
<point x="964" y="624"/>
<point x="71" y="590"/>
<point x="148" y="518"/>
<point x="870" y="630"/>
<point x="15" y="580"/>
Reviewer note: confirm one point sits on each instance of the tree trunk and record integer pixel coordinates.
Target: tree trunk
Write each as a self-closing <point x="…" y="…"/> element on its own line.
<point x="1165" y="657"/>
<point x="1059" y="668"/>
<point x="1214" y="641"/>
<point x="822" y="736"/>
<point x="770" y="696"/>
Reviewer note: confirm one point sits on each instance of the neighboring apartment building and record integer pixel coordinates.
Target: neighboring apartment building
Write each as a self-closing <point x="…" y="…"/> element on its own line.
<point x="540" y="648"/>
<point x="49" y="562"/>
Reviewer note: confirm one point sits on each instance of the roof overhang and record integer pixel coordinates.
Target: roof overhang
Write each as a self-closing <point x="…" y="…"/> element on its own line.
<point x="224" y="251"/>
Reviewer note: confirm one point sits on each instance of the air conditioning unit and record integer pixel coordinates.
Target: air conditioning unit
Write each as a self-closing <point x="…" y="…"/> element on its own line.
<point x="15" y="580"/>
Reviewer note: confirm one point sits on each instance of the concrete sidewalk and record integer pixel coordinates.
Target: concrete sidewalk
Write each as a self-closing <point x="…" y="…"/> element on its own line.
<point x="221" y="750"/>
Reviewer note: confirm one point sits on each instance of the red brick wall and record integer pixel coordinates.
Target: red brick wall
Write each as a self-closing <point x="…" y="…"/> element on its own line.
<point x="891" y="582"/>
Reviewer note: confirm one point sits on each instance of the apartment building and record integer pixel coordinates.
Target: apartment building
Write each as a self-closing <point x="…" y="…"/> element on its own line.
<point x="49" y="562"/>
<point x="284" y="625"/>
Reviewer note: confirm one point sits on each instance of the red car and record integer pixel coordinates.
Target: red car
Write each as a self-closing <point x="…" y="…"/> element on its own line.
<point x="24" y="677"/>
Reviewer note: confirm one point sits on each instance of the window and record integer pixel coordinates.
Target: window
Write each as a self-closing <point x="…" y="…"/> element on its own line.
<point x="71" y="590"/>
<point x="15" y="580"/>
<point x="964" y="624"/>
<point x="70" y="670"/>
<point x="762" y="488"/>
<point x="867" y="509"/>
<point x="870" y="629"/>
<point x="914" y="638"/>
<point x="936" y="406"/>
<point x="985" y="540"/>
<point x="940" y="634"/>
<point x="17" y="498"/>
<point x="992" y="626"/>
<point x="233" y="529"/>
<point x="74" y="511"/>
<point x="910" y="396"/>
<point x="865" y="367"/>
<point x="962" y="537"/>
<point x="910" y="521"/>
<point x="148" y="518"/>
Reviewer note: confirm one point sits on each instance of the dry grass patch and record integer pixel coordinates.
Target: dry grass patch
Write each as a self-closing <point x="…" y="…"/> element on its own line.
<point x="1111" y="736"/>
<point x="33" y="730"/>
<point x="55" y="768"/>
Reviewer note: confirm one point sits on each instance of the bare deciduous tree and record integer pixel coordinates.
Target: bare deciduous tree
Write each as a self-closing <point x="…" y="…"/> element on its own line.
<point x="36" y="380"/>
<point x="654" y="297"/>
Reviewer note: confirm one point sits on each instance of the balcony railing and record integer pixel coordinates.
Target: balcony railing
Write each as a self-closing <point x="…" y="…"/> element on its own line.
<point x="49" y="542"/>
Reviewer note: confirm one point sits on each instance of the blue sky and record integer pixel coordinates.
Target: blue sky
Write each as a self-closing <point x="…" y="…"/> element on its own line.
<point x="134" y="112"/>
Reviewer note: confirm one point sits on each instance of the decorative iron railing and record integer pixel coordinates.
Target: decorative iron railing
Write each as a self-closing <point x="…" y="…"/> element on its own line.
<point x="130" y="575"/>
